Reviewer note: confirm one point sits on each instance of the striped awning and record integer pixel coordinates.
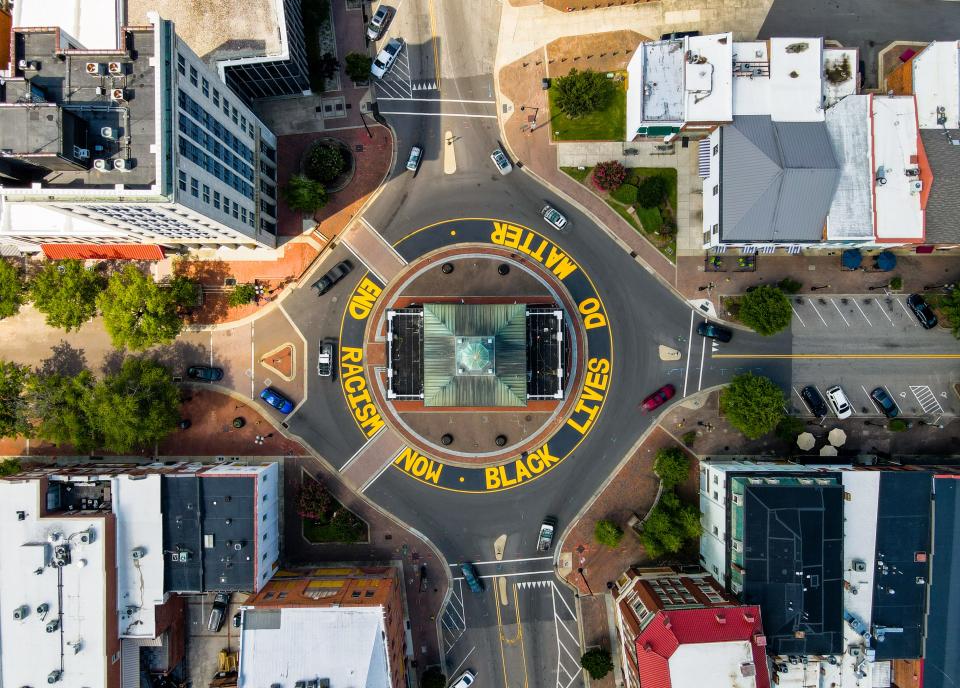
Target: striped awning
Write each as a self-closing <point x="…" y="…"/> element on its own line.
<point x="795" y="249"/>
<point x="703" y="158"/>
<point x="102" y="251"/>
<point x="719" y="248"/>
<point x="748" y="250"/>
<point x="769" y="248"/>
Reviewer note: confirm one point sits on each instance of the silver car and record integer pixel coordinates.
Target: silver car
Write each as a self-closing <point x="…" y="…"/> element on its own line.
<point x="378" y="23"/>
<point x="501" y="161"/>
<point x="384" y="61"/>
<point x="553" y="217"/>
<point x="839" y="403"/>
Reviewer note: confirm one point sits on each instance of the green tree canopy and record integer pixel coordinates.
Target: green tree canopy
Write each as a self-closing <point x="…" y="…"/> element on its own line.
<point x="304" y="195"/>
<point x="137" y="312"/>
<point x="597" y="663"/>
<point x="580" y="93"/>
<point x="433" y="677"/>
<point x="652" y="191"/>
<point x="669" y="526"/>
<point x="766" y="309"/>
<point x="60" y="409"/>
<point x="672" y="466"/>
<point x="13" y="401"/>
<point x="66" y="293"/>
<point x="9" y="466"/>
<point x="753" y="404"/>
<point x="11" y="289"/>
<point x="950" y="309"/>
<point x="242" y="294"/>
<point x="136" y="406"/>
<point x="357" y="66"/>
<point x="185" y="291"/>
<point x="325" y="162"/>
<point x="607" y="533"/>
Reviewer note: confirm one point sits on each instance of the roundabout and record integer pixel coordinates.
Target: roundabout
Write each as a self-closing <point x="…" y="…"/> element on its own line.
<point x="490" y="354"/>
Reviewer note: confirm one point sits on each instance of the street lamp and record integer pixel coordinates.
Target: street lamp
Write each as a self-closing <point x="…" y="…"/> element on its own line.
<point x="580" y="571"/>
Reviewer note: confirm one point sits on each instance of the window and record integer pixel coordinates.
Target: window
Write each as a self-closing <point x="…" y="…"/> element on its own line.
<point x="181" y="64"/>
<point x="216" y="98"/>
<point x="216" y="200"/>
<point x="182" y="179"/>
<point x="716" y="149"/>
<point x="206" y="193"/>
<point x="368" y="593"/>
<point x="193" y="75"/>
<point x="715" y="229"/>
<point x="282" y="596"/>
<point x="716" y="531"/>
<point x="716" y="478"/>
<point x="243" y="219"/>
<point x="716" y="189"/>
<point x="236" y="210"/>
<point x="252" y="131"/>
<point x="205" y="87"/>
<point x="243" y="123"/>
<point x="194" y="187"/>
<point x="234" y="115"/>
<point x="226" y="107"/>
<point x="355" y="593"/>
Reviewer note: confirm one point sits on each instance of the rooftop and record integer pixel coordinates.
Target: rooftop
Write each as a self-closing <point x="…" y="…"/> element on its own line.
<point x="898" y="189"/>
<point x="708" y="79"/>
<point x="796" y="69"/>
<point x="662" y="64"/>
<point x="943" y="205"/>
<point x="840" y="74"/>
<point x="94" y="23"/>
<point x="941" y="660"/>
<point x="279" y="647"/>
<point x="936" y="85"/>
<point x="851" y="211"/>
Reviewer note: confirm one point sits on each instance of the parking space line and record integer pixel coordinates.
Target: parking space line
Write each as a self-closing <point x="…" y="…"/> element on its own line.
<point x="877" y="301"/>
<point x="910" y="315"/>
<point x="867" y="395"/>
<point x="926" y="398"/>
<point x="460" y="665"/>
<point x="815" y="310"/>
<point x="846" y="322"/>
<point x="689" y="344"/>
<point x="703" y="351"/>
<point x="862" y="313"/>
<point x="798" y="315"/>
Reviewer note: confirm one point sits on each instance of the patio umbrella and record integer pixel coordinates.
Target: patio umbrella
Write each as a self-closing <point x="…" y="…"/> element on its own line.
<point x="806" y="440"/>
<point x="828" y="450"/>
<point x="852" y="258"/>
<point x="837" y="437"/>
<point x="886" y="261"/>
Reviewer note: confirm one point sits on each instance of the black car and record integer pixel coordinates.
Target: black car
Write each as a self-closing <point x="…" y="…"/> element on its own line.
<point x="885" y="402"/>
<point x="922" y="310"/>
<point x="218" y="611"/>
<point x="714" y="331"/>
<point x="470" y="575"/>
<point x="334" y="275"/>
<point x="205" y="373"/>
<point x="816" y="404"/>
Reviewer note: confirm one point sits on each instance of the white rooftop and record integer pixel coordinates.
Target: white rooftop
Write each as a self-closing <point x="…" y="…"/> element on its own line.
<point x="840" y="70"/>
<point x="92" y="22"/>
<point x="40" y="221"/>
<point x="851" y="212"/>
<point x="708" y="78"/>
<point x="713" y="665"/>
<point x="796" y="66"/>
<point x="28" y="652"/>
<point x="662" y="84"/>
<point x="279" y="647"/>
<point x="936" y="84"/>
<point x="897" y="199"/>
<point x="136" y="503"/>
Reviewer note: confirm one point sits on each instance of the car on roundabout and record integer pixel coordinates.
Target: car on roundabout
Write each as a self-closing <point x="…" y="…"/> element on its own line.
<point x="500" y="160"/>
<point x="333" y="275"/>
<point x="658" y="398"/>
<point x="554" y="217"/>
<point x="413" y="162"/>
<point x="545" y="537"/>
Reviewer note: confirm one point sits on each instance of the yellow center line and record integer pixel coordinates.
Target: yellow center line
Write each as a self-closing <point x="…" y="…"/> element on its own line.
<point x="435" y="38"/>
<point x="843" y="356"/>
<point x="503" y="659"/>
<point x="523" y="652"/>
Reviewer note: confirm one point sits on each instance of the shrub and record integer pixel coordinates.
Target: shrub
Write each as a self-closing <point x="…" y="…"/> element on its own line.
<point x="357" y="66"/>
<point x="242" y="294"/>
<point x="10" y="466"/>
<point x="652" y="191"/>
<point x="672" y="466"/>
<point x="669" y="526"/>
<point x="896" y="283"/>
<point x="324" y="163"/>
<point x="625" y="193"/>
<point x="607" y="176"/>
<point x="753" y="404"/>
<point x="689" y="438"/>
<point x="433" y="677"/>
<point x="11" y="289"/>
<point x="897" y="425"/>
<point x="607" y="533"/>
<point x="580" y="93"/>
<point x="766" y="309"/>
<point x="788" y="285"/>
<point x="304" y="195"/>
<point x="597" y="663"/>
<point x="313" y="500"/>
<point x="949" y="308"/>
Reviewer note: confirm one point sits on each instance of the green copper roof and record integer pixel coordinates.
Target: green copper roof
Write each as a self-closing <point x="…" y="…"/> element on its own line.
<point x="474" y="354"/>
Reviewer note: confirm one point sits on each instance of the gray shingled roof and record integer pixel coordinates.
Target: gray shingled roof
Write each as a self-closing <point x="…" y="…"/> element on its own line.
<point x="777" y="180"/>
<point x="943" y="205"/>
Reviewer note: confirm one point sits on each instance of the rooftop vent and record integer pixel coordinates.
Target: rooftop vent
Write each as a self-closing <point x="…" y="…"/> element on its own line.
<point x="107" y="132"/>
<point x="122" y="164"/>
<point x="100" y="165"/>
<point x="94" y="68"/>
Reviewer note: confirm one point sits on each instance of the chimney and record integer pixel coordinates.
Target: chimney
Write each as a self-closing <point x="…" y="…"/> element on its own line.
<point x="749" y="617"/>
<point x="721" y="619"/>
<point x="666" y="621"/>
<point x="647" y="647"/>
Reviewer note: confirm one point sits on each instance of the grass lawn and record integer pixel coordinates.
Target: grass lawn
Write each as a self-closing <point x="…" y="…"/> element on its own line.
<point x="609" y="124"/>
<point x="577" y="173"/>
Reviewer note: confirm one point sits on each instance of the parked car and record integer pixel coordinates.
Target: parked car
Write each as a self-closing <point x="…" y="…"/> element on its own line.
<point x="838" y="402"/>
<point x="325" y="359"/>
<point x="922" y="310"/>
<point x="413" y="162"/>
<point x="385" y="59"/>
<point x="713" y="331"/>
<point x="815" y="402"/>
<point x="379" y="22"/>
<point x="205" y="373"/>
<point x="276" y="400"/>
<point x="218" y="611"/>
<point x="658" y="398"/>
<point x="885" y="402"/>
<point x="553" y="217"/>
<point x="334" y="275"/>
<point x="465" y="680"/>
<point x="470" y="575"/>
<point x="500" y="160"/>
<point x="545" y="538"/>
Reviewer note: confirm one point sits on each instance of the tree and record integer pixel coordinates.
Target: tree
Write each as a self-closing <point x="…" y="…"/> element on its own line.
<point x="597" y="663"/>
<point x="788" y="285"/>
<point x="580" y="93"/>
<point x="607" y="533"/>
<point x="314" y="501"/>
<point x="324" y="163"/>
<point x="185" y="291"/>
<point x="652" y="191"/>
<point x="13" y="402"/>
<point x="11" y="289"/>
<point x="60" y="409"/>
<point x="304" y="195"/>
<point x="672" y="466"/>
<point x="950" y="310"/>
<point x="433" y="677"/>
<point x="135" y="407"/>
<point x="66" y="292"/>
<point x="669" y="526"/>
<point x="327" y="66"/>
<point x="242" y="294"/>
<point x="788" y="428"/>
<point x="608" y="176"/>
<point x="357" y="66"/>
<point x="766" y="309"/>
<point x="752" y="404"/>
<point x="10" y="467"/>
<point x="137" y="312"/>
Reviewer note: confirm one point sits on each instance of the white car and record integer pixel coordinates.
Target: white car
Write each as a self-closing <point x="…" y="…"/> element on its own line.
<point x="384" y="61"/>
<point x="839" y="403"/>
<point x="500" y="160"/>
<point x="553" y="217"/>
<point x="413" y="162"/>
<point x="465" y="680"/>
<point x="378" y="23"/>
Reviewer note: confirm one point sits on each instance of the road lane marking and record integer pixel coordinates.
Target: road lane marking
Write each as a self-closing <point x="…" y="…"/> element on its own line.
<point x="798" y="315"/>
<point x="910" y="316"/>
<point x="502" y="561"/>
<point x="889" y="319"/>
<point x="460" y="665"/>
<point x="840" y="312"/>
<point x="436" y="53"/>
<point x="689" y="344"/>
<point x="918" y="357"/>
<point x="440" y="114"/>
<point x="443" y="100"/>
<point x="855" y="303"/>
<point x="703" y="351"/>
<point x="816" y="310"/>
<point x="523" y="652"/>
<point x="510" y="575"/>
<point x="503" y="658"/>
<point x="926" y="398"/>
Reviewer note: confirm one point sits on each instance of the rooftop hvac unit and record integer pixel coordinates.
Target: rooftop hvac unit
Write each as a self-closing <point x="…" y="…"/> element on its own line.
<point x="61" y="555"/>
<point x="859" y="565"/>
<point x="116" y="68"/>
<point x="94" y="68"/>
<point x="138" y="552"/>
<point x="54" y="676"/>
<point x="101" y="91"/>
<point x="117" y="94"/>
<point x="86" y="537"/>
<point x="737" y="499"/>
<point x="916" y="186"/>
<point x="122" y="164"/>
<point x="20" y="613"/>
<point x="100" y="165"/>
<point x="28" y="64"/>
<point x="107" y="132"/>
<point x="53" y="625"/>
<point x="81" y="153"/>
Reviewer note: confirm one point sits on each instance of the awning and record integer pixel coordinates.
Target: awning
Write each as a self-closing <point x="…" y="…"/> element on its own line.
<point x="852" y="258"/>
<point x="102" y="251"/>
<point x="703" y="158"/>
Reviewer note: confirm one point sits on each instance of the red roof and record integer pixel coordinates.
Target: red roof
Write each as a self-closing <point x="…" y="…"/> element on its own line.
<point x="670" y="629"/>
<point x="103" y="251"/>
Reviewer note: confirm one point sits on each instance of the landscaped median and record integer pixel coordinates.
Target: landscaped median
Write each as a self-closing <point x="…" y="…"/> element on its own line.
<point x="609" y="123"/>
<point x="646" y="197"/>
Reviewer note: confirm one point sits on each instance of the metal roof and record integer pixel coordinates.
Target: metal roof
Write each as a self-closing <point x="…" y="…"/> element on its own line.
<point x="943" y="205"/>
<point x="102" y="251"/>
<point x="777" y="180"/>
<point x="474" y="355"/>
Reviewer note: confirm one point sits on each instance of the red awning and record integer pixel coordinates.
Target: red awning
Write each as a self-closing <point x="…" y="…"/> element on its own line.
<point x="103" y="251"/>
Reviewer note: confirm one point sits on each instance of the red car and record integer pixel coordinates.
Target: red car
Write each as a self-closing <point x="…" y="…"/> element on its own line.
<point x="658" y="398"/>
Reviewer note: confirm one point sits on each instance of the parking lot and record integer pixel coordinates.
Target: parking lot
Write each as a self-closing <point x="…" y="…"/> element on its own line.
<point x="203" y="646"/>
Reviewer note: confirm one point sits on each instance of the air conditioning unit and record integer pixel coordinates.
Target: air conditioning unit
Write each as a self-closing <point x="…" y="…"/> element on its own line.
<point x="21" y="612"/>
<point x="54" y="676"/>
<point x="53" y="625"/>
<point x="21" y="64"/>
<point x="100" y="165"/>
<point x="737" y="546"/>
<point x="859" y="565"/>
<point x="737" y="499"/>
<point x="101" y="91"/>
<point x="107" y="132"/>
<point x="122" y="164"/>
<point x="81" y="153"/>
<point x="916" y="186"/>
<point x="115" y="68"/>
<point x="94" y="68"/>
<point x="117" y="94"/>
<point x="86" y="537"/>
<point x="138" y="553"/>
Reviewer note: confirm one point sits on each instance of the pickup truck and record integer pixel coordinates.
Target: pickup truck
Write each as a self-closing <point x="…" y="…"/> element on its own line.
<point x="545" y="539"/>
<point x="325" y="359"/>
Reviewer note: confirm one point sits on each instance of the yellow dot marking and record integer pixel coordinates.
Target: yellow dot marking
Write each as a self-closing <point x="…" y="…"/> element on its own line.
<point x="461" y="478"/>
<point x="453" y="232"/>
